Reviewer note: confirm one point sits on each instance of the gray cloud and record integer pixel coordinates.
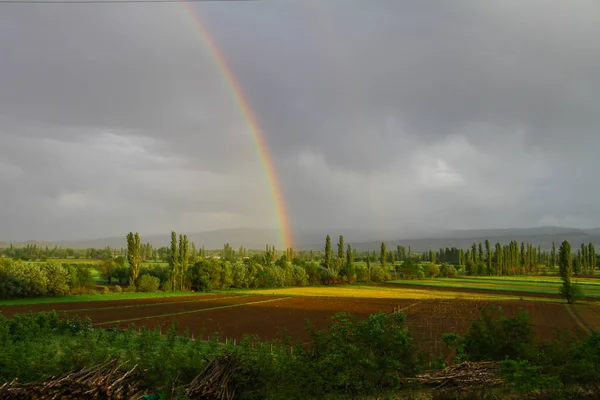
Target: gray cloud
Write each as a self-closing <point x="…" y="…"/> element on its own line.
<point x="378" y="115"/>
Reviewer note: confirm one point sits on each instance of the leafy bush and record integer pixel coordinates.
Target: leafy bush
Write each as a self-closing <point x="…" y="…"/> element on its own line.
<point x="118" y="289"/>
<point x="497" y="337"/>
<point x="105" y="290"/>
<point x="359" y="356"/>
<point x="433" y="270"/>
<point x="148" y="283"/>
<point x="450" y="272"/>
<point x="20" y="279"/>
<point x="57" y="280"/>
<point x="420" y="274"/>
<point x="379" y="274"/>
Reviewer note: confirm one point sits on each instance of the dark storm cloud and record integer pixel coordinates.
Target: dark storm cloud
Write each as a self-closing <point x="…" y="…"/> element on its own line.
<point x="385" y="114"/>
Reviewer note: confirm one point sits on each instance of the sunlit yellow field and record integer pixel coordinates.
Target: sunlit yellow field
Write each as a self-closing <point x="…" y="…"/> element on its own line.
<point x="383" y="292"/>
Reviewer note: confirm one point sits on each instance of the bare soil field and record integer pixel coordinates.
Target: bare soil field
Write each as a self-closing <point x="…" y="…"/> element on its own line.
<point x="268" y="319"/>
<point x="589" y="314"/>
<point x="9" y="311"/>
<point x="234" y="316"/>
<point x="547" y="318"/>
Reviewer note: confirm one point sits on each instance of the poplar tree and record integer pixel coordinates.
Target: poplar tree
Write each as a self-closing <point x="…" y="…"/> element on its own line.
<point x="553" y="256"/>
<point x="565" y="264"/>
<point x="133" y="256"/>
<point x="183" y="259"/>
<point x="592" y="258"/>
<point x="350" y="270"/>
<point x="488" y="253"/>
<point x="480" y="253"/>
<point x="340" y="247"/>
<point x="499" y="259"/>
<point x="382" y="256"/>
<point x="522" y="258"/>
<point x="328" y="256"/>
<point x="174" y="260"/>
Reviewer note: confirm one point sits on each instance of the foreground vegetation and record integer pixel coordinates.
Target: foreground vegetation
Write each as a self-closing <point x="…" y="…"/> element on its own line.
<point x="352" y="358"/>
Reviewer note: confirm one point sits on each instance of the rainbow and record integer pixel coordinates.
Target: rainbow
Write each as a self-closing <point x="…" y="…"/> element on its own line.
<point x="257" y="133"/>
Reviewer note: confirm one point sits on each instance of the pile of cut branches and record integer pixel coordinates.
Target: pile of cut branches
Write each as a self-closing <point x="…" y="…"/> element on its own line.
<point x="467" y="374"/>
<point x="106" y="381"/>
<point x="215" y="381"/>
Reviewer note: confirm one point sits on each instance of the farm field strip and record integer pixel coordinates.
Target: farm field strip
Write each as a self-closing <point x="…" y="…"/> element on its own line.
<point x="201" y="300"/>
<point x="189" y="311"/>
<point x="515" y="283"/>
<point x="103" y="304"/>
<point x="268" y="319"/>
<point x="523" y="278"/>
<point x="501" y="288"/>
<point x="96" y="299"/>
<point x="163" y="309"/>
<point x="391" y="291"/>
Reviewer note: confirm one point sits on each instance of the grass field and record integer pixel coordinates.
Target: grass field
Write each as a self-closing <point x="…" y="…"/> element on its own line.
<point x="537" y="285"/>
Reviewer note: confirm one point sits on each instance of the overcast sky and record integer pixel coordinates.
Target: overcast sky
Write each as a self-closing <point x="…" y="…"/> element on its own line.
<point x="379" y="114"/>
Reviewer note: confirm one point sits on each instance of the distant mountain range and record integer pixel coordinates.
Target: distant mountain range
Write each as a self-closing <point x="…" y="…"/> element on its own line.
<point x="360" y="239"/>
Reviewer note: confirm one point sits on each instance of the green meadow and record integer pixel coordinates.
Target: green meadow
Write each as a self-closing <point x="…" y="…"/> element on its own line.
<point x="522" y="284"/>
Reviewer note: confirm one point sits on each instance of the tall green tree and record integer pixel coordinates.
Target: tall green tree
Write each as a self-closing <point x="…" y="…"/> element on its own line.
<point x="522" y="258"/>
<point x="173" y="262"/>
<point x="328" y="255"/>
<point x="133" y="256"/>
<point x="382" y="256"/>
<point x="565" y="268"/>
<point x="340" y="247"/>
<point x="369" y="267"/>
<point x="499" y="259"/>
<point x="183" y="260"/>
<point x="592" y="258"/>
<point x="349" y="267"/>
<point x="553" y="256"/>
<point x="473" y="253"/>
<point x="488" y="254"/>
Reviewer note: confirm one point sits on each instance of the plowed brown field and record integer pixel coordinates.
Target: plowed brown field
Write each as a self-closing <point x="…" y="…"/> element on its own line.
<point x="234" y="316"/>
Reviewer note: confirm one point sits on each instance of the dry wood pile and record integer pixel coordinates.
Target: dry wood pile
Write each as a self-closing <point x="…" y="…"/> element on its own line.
<point x="106" y="381"/>
<point x="464" y="375"/>
<point x="215" y="381"/>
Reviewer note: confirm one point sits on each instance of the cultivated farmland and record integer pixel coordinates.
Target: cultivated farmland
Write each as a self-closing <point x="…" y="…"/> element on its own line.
<point x="267" y="313"/>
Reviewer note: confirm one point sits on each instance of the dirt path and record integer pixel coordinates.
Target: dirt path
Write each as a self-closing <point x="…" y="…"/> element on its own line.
<point x="579" y="322"/>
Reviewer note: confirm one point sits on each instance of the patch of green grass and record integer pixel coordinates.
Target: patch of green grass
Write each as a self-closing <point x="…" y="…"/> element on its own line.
<point x="95" y="297"/>
<point x="506" y="286"/>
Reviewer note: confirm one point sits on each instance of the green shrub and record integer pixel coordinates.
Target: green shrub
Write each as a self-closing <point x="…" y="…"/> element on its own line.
<point x="105" y="290"/>
<point x="379" y="274"/>
<point x="130" y="289"/>
<point x="358" y="356"/>
<point x="496" y="337"/>
<point x="57" y="280"/>
<point x="420" y="274"/>
<point x="433" y="270"/>
<point x="148" y="283"/>
<point x="450" y="272"/>
<point x="118" y="289"/>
